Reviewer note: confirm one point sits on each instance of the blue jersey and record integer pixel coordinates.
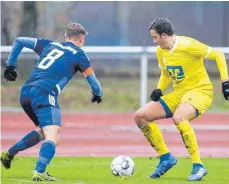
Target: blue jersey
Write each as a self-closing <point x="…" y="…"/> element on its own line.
<point x="58" y="63"/>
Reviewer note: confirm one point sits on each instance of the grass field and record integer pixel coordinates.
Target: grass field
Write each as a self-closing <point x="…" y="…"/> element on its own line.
<point x="92" y="170"/>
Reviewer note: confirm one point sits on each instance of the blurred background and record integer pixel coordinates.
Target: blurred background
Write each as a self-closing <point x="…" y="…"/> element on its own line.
<point x="111" y="23"/>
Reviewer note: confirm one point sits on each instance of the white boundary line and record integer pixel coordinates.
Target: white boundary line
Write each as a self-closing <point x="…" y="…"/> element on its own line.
<point x="30" y="181"/>
<point x="135" y="129"/>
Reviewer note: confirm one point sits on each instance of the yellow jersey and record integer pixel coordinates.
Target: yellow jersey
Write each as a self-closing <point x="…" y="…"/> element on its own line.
<point x="184" y="63"/>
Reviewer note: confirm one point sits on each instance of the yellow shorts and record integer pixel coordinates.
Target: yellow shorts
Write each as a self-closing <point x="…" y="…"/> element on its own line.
<point x="199" y="98"/>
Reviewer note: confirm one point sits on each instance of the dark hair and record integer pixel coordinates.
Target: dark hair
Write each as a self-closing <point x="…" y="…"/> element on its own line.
<point x="162" y="25"/>
<point x="74" y="30"/>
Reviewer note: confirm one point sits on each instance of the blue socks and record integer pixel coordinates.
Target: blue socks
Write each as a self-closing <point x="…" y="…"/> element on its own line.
<point x="47" y="151"/>
<point x="26" y="142"/>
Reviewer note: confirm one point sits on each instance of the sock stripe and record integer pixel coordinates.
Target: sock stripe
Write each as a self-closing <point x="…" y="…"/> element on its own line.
<point x="43" y="160"/>
<point x="47" y="151"/>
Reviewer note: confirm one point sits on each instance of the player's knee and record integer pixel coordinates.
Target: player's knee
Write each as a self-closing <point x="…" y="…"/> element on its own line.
<point x="54" y="138"/>
<point x="52" y="133"/>
<point x="140" y="117"/>
<point x="177" y="118"/>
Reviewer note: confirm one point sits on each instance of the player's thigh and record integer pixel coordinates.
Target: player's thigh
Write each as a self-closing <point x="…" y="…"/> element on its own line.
<point x="25" y="101"/>
<point x="170" y="102"/>
<point x="50" y="122"/>
<point x="164" y="108"/>
<point x="200" y="99"/>
<point x="150" y="111"/>
<point x="184" y="111"/>
<point x="48" y="115"/>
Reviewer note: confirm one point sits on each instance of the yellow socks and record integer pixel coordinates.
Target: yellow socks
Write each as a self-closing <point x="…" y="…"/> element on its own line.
<point x="189" y="139"/>
<point x="153" y="134"/>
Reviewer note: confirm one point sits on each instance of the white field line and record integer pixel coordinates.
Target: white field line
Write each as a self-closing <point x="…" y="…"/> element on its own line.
<point x="11" y="109"/>
<point x="30" y="181"/>
<point x="169" y="128"/>
<point x="67" y="164"/>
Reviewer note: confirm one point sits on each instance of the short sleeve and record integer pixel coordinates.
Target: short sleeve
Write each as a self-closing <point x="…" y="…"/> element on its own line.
<point x="84" y="63"/>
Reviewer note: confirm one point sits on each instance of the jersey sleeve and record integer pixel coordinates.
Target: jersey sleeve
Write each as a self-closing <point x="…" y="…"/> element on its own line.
<point x="41" y="43"/>
<point x="18" y="45"/>
<point x="198" y="49"/>
<point x="85" y="65"/>
<point x="86" y="68"/>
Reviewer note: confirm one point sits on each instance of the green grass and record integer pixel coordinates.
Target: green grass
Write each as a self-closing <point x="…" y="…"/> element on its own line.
<point x="92" y="170"/>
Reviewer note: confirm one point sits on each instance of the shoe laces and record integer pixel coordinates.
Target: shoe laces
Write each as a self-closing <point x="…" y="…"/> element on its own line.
<point x="48" y="174"/>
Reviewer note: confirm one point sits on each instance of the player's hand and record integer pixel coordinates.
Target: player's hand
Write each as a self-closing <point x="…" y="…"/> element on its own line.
<point x="10" y="74"/>
<point x="225" y="89"/>
<point x="96" y="98"/>
<point x="155" y="95"/>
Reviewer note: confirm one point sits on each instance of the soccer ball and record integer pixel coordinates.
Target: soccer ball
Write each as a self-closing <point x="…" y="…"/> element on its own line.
<point x="122" y="166"/>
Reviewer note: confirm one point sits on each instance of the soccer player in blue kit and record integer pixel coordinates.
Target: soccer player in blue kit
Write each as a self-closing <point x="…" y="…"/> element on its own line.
<point x="58" y="62"/>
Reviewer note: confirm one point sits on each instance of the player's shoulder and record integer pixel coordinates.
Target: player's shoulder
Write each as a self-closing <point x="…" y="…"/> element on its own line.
<point x="83" y="54"/>
<point x="41" y="44"/>
<point x="44" y="40"/>
<point x="186" y="41"/>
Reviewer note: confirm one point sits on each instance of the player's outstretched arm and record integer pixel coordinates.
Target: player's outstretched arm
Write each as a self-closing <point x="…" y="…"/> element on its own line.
<point x="219" y="57"/>
<point x="10" y="74"/>
<point x="202" y="50"/>
<point x="95" y="85"/>
<point x="18" y="45"/>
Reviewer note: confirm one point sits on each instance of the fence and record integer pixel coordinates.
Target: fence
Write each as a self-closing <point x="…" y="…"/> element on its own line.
<point x="142" y="53"/>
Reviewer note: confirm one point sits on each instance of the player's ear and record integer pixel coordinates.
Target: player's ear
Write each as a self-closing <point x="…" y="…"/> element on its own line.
<point x="81" y="38"/>
<point x="163" y="35"/>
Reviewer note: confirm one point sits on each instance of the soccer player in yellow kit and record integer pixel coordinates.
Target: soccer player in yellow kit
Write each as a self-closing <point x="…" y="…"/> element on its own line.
<point x="181" y="60"/>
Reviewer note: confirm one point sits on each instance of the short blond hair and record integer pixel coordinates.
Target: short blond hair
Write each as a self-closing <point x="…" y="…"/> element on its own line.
<point x="74" y="30"/>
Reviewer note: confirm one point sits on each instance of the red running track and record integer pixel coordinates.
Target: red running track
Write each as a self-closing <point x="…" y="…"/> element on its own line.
<point x="112" y="134"/>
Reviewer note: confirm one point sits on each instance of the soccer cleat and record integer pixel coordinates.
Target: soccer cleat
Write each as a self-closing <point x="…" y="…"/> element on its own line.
<point x="6" y="159"/>
<point x="198" y="172"/>
<point x="42" y="176"/>
<point x="164" y="166"/>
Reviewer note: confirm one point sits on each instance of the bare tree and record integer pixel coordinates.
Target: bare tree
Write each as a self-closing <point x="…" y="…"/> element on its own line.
<point x="29" y="19"/>
<point x="5" y="36"/>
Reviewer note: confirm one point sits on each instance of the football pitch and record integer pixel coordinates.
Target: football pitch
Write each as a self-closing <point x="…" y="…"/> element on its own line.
<point x="96" y="170"/>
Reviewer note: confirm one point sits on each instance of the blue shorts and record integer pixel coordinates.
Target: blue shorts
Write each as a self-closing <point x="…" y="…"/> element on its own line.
<point x="41" y="107"/>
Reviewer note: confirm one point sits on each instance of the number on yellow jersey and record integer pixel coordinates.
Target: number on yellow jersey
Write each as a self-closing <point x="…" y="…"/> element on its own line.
<point x="176" y="72"/>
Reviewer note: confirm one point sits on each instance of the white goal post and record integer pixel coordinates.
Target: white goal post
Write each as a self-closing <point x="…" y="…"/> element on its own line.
<point x="142" y="51"/>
